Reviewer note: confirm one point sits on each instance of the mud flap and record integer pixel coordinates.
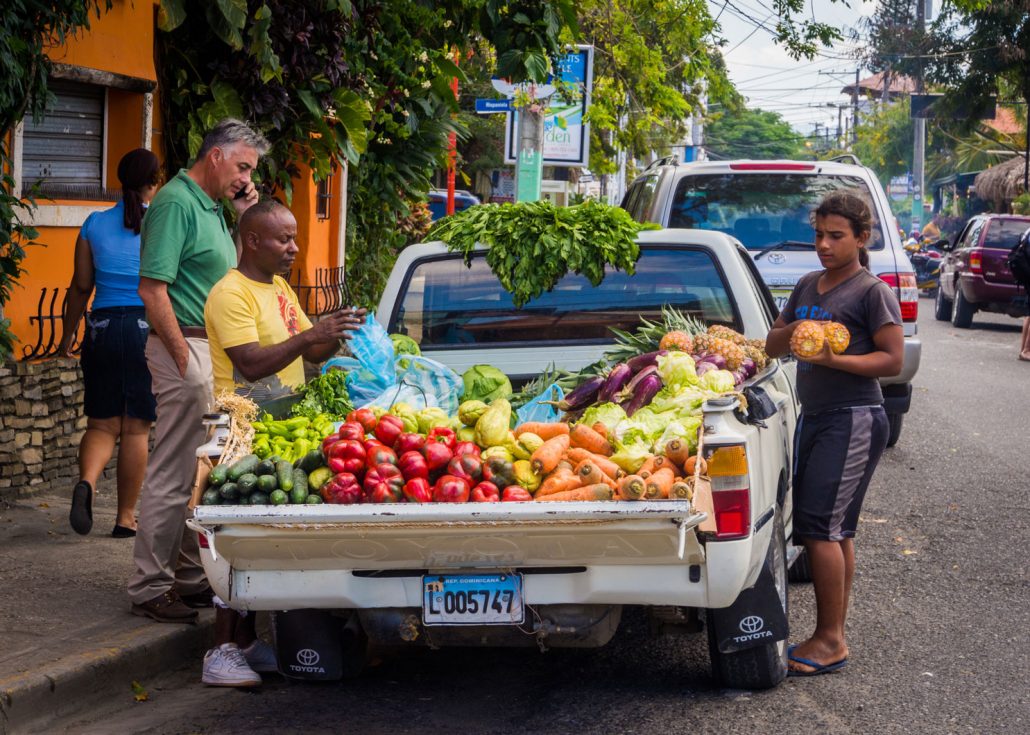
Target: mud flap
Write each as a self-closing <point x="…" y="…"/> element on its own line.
<point x="755" y="618"/>
<point x="309" y="645"/>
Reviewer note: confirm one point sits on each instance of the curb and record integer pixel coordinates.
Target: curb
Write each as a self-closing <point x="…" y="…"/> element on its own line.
<point x="32" y="700"/>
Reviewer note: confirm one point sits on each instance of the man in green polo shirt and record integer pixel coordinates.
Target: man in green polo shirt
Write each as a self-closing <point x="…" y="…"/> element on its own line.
<point x="186" y="249"/>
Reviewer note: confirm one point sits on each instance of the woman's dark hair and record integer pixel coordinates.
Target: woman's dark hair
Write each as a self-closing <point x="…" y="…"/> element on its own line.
<point x="852" y="208"/>
<point x="137" y="170"/>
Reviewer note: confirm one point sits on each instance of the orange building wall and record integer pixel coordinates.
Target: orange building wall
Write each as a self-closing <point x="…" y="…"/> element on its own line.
<point x="121" y="41"/>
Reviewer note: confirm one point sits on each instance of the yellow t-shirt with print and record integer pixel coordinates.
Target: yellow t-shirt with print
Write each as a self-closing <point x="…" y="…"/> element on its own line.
<point x="240" y="311"/>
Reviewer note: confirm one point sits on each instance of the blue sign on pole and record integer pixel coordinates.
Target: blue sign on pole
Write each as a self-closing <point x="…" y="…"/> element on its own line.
<point x="488" y="106"/>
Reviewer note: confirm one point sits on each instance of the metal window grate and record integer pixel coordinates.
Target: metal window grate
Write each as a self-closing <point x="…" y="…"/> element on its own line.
<point x="63" y="154"/>
<point x="328" y="294"/>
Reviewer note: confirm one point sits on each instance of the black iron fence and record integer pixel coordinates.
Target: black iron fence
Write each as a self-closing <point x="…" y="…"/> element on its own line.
<point x="329" y="293"/>
<point x="47" y="326"/>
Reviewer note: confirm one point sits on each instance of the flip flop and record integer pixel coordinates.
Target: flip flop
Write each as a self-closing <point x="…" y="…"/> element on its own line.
<point x="81" y="515"/>
<point x="817" y="668"/>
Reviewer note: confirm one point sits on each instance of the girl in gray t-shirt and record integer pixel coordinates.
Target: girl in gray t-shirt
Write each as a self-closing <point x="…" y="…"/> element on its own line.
<point x="843" y="429"/>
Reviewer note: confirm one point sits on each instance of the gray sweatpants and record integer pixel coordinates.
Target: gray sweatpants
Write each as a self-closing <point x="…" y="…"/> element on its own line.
<point x="166" y="552"/>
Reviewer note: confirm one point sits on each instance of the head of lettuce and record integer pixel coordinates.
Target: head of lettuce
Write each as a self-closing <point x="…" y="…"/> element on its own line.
<point x="485" y="383"/>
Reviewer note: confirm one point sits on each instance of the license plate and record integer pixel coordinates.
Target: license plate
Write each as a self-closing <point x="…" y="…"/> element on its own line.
<point x="472" y="599"/>
<point x="780" y="296"/>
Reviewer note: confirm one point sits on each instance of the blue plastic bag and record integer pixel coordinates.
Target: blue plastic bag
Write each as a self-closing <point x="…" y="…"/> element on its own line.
<point x="422" y="383"/>
<point x="537" y="410"/>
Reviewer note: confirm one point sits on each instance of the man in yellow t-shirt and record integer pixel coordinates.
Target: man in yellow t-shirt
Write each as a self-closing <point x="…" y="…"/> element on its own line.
<point x="256" y="329"/>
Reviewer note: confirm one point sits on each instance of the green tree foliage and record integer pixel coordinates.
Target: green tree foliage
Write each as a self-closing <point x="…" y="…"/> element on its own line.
<point x="29" y="28"/>
<point x="749" y="133"/>
<point x="886" y="140"/>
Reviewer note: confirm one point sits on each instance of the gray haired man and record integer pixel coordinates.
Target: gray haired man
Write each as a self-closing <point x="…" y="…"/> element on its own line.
<point x="186" y="248"/>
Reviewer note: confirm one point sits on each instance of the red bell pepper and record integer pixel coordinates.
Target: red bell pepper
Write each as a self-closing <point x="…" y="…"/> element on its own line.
<point x="375" y="456"/>
<point x="384" y="484"/>
<point x="413" y="464"/>
<point x="409" y="442"/>
<point x="346" y="455"/>
<point x="437" y="456"/>
<point x="485" y="492"/>
<point x="365" y="417"/>
<point x="388" y="429"/>
<point x="499" y="471"/>
<point x="342" y="489"/>
<point x="444" y="435"/>
<point x="516" y="493"/>
<point x="451" y="489"/>
<point x="418" y="490"/>
<point x="352" y="430"/>
<point x="462" y="448"/>
<point x="328" y="442"/>
<point x="467" y="467"/>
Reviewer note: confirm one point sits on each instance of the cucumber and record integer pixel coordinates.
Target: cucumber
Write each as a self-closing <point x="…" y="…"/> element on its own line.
<point x="267" y="483"/>
<point x="285" y="472"/>
<point x="211" y="497"/>
<point x="310" y="461"/>
<point x="258" y="498"/>
<point x="299" y="494"/>
<point x="229" y="491"/>
<point x="242" y="466"/>
<point x="300" y="478"/>
<point x="278" y="497"/>
<point x="218" y="475"/>
<point x="248" y="483"/>
<point x="265" y="467"/>
<point x="313" y="499"/>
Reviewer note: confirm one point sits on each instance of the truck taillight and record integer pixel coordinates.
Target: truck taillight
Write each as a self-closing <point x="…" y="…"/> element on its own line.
<point x="976" y="261"/>
<point x="202" y="540"/>
<point x="907" y="290"/>
<point x="731" y="491"/>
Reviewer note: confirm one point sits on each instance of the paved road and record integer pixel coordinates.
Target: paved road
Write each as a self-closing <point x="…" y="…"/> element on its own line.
<point x="938" y="632"/>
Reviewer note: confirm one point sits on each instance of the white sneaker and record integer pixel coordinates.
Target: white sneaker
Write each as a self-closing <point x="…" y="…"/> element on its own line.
<point x="261" y="657"/>
<point x="225" y="666"/>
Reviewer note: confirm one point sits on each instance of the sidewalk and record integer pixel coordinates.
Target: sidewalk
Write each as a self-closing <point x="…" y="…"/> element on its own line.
<point x="68" y="636"/>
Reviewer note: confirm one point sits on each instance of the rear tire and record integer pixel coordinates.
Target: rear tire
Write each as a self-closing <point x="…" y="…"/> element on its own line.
<point x="962" y="311"/>
<point x="941" y="307"/>
<point x="764" y="666"/>
<point x="894" y="421"/>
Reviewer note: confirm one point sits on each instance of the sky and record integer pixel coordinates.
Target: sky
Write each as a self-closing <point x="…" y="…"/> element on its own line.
<point x="771" y="80"/>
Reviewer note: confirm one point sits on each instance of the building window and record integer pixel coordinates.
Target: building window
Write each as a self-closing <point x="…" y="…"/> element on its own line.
<point x="323" y="197"/>
<point x="64" y="152"/>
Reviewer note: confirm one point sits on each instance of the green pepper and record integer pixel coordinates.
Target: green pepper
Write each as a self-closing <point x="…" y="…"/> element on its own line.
<point x="300" y="448"/>
<point x="258" y="426"/>
<point x="300" y="434"/>
<point x="277" y="428"/>
<point x="297" y="422"/>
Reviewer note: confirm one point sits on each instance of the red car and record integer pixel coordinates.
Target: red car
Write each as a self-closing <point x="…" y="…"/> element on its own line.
<point x="974" y="276"/>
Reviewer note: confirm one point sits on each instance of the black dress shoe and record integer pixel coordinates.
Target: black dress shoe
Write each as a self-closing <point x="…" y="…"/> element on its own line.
<point x="123" y="531"/>
<point x="81" y="515"/>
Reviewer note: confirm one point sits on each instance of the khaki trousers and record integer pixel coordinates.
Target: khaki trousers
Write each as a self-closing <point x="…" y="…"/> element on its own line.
<point x="166" y="552"/>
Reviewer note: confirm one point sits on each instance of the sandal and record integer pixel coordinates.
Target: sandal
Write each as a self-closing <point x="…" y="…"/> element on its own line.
<point x="81" y="515"/>
<point x="121" y="531"/>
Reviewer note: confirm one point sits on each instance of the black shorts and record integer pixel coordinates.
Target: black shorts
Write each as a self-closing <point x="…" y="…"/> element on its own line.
<point x="835" y="455"/>
<point x="114" y="364"/>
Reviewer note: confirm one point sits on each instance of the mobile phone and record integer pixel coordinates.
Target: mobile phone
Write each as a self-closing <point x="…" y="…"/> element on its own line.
<point x="241" y="193"/>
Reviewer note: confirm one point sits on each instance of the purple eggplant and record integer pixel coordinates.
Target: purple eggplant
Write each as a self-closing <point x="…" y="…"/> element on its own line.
<point x="617" y="379"/>
<point x="739" y="376"/>
<point x="640" y="362"/>
<point x="718" y="360"/>
<point x="704" y="366"/>
<point x="630" y="389"/>
<point x="643" y="392"/>
<point x="584" y="394"/>
<point x="748" y="367"/>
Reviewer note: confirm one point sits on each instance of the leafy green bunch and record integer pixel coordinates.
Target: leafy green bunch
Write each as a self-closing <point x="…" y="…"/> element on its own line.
<point x="325" y="394"/>
<point x="533" y="245"/>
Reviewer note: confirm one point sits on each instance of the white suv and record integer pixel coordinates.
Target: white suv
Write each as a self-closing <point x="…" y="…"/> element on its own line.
<point x="766" y="205"/>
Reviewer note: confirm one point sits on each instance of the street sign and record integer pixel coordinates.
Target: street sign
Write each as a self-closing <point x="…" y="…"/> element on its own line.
<point x="489" y="106"/>
<point x="927" y="106"/>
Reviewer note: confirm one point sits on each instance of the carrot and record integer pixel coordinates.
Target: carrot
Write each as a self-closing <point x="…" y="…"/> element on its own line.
<point x="578" y="454"/>
<point x="681" y="490"/>
<point x="543" y="430"/>
<point x="678" y="451"/>
<point x="565" y="464"/>
<point x="659" y="484"/>
<point x="591" y="474"/>
<point x="654" y="463"/>
<point x="601" y="429"/>
<point x="688" y="466"/>
<point x="631" y="487"/>
<point x="584" y="437"/>
<point x="559" y="482"/>
<point x="589" y="492"/>
<point x="547" y="457"/>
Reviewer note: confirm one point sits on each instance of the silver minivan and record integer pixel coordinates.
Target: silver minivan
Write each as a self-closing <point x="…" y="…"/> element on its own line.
<point x="767" y="206"/>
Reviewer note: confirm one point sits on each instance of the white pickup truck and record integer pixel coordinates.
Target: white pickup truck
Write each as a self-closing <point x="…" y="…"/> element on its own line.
<point x="548" y="574"/>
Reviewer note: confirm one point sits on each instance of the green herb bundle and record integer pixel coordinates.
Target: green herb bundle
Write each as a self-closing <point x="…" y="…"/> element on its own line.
<point x="533" y="245"/>
<point x="325" y="394"/>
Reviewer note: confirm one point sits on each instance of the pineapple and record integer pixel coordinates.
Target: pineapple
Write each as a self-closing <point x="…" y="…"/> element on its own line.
<point x="757" y="354"/>
<point x="676" y="341"/>
<point x="808" y="339"/>
<point x="838" y="337"/>
<point x="724" y="332"/>
<point x="732" y="353"/>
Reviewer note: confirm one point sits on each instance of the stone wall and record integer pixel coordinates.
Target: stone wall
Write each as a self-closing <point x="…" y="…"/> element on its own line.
<point x="41" y="423"/>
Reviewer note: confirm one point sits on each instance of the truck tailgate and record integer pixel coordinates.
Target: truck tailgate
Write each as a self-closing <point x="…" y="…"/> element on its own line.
<point x="450" y="536"/>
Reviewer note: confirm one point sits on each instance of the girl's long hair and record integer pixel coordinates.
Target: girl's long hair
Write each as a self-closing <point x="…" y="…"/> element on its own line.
<point x="137" y="170"/>
<point x="852" y="208"/>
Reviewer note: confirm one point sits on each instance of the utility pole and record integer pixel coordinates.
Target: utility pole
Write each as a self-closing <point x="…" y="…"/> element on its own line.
<point x="924" y="8"/>
<point x="854" y="110"/>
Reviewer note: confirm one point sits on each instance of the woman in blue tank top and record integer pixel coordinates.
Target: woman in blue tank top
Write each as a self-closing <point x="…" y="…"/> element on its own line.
<point x="119" y="405"/>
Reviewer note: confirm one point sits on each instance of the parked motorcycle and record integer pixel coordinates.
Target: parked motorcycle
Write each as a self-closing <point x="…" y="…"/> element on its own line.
<point x="926" y="262"/>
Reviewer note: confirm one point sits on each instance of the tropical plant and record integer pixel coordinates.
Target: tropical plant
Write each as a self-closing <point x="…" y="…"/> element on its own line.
<point x="29" y="29"/>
